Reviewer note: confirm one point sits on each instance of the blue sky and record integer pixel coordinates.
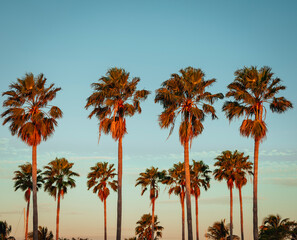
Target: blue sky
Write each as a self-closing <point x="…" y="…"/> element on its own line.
<point x="74" y="43"/>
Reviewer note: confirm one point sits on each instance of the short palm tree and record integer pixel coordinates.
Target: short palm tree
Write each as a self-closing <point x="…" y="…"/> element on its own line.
<point x="32" y="119"/>
<point x="177" y="184"/>
<point x="43" y="234"/>
<point x="23" y="181"/>
<point x="219" y="231"/>
<point x="143" y="229"/>
<point x="5" y="230"/>
<point x="200" y="178"/>
<point x="275" y="228"/>
<point x="186" y="95"/>
<point x="58" y="177"/>
<point x="150" y="178"/>
<point x="229" y="167"/>
<point x="251" y="90"/>
<point x="100" y="177"/>
<point x="114" y="98"/>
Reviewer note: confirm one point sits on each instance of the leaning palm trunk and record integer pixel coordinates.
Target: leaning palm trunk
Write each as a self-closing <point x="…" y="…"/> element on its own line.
<point x="34" y="181"/>
<point x="27" y="215"/>
<point x="182" y="201"/>
<point x="153" y="218"/>
<point x="188" y="189"/>
<point x="231" y="214"/>
<point x="105" y="229"/>
<point x="58" y="217"/>
<point x="197" y="227"/>
<point x="119" y="210"/>
<point x="241" y="213"/>
<point x="255" y="192"/>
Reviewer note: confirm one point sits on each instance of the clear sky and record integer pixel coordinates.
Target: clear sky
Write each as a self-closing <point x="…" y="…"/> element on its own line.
<point x="74" y="43"/>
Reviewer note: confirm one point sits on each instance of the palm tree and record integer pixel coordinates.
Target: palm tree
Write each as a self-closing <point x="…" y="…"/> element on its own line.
<point x="252" y="89"/>
<point x="43" y="234"/>
<point x="246" y="167"/>
<point x="186" y="95"/>
<point x="231" y="166"/>
<point x="177" y="185"/>
<point x="150" y="178"/>
<point x="275" y="228"/>
<point x="32" y="119"/>
<point x="100" y="178"/>
<point x="5" y="230"/>
<point x="23" y="181"/>
<point x="114" y="98"/>
<point x="58" y="177"/>
<point x="219" y="231"/>
<point x="143" y="230"/>
<point x="199" y="178"/>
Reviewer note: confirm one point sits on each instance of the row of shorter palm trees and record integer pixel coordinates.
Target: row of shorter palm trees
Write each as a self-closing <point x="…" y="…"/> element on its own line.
<point x="115" y="97"/>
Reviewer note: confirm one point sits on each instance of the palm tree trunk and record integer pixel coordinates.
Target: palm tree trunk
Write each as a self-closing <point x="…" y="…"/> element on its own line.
<point x="231" y="214"/>
<point x="188" y="189"/>
<point x="241" y="213"/>
<point x="182" y="201"/>
<point x="58" y="216"/>
<point x="119" y="208"/>
<point x="105" y="230"/>
<point x="255" y="192"/>
<point x="153" y="218"/>
<point x="27" y="217"/>
<point x="197" y="227"/>
<point x="34" y="181"/>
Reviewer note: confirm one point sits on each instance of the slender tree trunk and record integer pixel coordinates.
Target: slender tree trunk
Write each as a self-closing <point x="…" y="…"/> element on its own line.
<point x="188" y="189"/>
<point x="119" y="209"/>
<point x="255" y="192"/>
<point x="182" y="201"/>
<point x="58" y="216"/>
<point x="27" y="216"/>
<point x="105" y="229"/>
<point x="231" y="214"/>
<point x="197" y="227"/>
<point x="34" y="181"/>
<point x="241" y="213"/>
<point x="153" y="218"/>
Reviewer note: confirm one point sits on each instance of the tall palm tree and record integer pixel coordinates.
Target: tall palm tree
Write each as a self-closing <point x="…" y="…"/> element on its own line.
<point x="229" y="167"/>
<point x="114" y="98"/>
<point x="177" y="184"/>
<point x="186" y="95"/>
<point x="58" y="176"/>
<point x="23" y="181"/>
<point x="275" y="228"/>
<point x="43" y="234"/>
<point x="251" y="90"/>
<point x="246" y="167"/>
<point x="219" y="231"/>
<point x="100" y="177"/>
<point x="32" y="119"/>
<point x="150" y="178"/>
<point x="143" y="230"/>
<point x="200" y="178"/>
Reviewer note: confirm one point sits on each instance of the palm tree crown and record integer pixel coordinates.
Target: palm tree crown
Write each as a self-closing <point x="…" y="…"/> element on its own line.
<point x="27" y="111"/>
<point x="200" y="177"/>
<point x="143" y="229"/>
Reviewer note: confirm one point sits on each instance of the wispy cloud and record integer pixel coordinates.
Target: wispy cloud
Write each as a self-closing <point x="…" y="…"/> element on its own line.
<point x="284" y="181"/>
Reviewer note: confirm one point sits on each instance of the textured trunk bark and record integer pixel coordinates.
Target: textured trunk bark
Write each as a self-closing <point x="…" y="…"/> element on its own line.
<point x="27" y="217"/>
<point x="231" y="214"/>
<point x="105" y="229"/>
<point x="197" y="223"/>
<point x="34" y="181"/>
<point x="183" y="217"/>
<point x="255" y="192"/>
<point x="58" y="217"/>
<point x="119" y="208"/>
<point x="241" y="213"/>
<point x="153" y="218"/>
<point x="188" y="190"/>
